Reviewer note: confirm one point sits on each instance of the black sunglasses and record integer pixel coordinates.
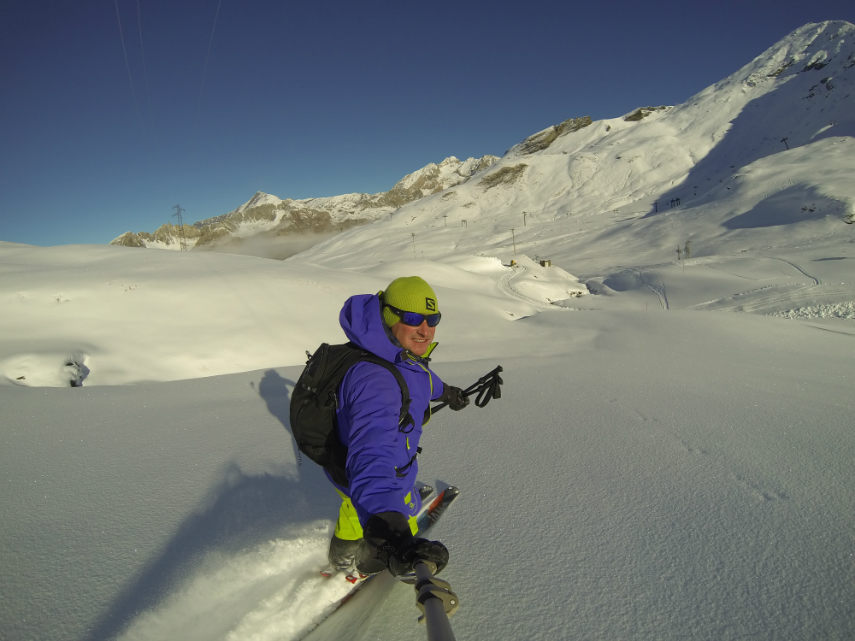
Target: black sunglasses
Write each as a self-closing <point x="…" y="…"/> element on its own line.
<point x="414" y="319"/>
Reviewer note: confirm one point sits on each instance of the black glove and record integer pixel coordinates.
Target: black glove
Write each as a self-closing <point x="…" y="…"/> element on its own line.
<point x="432" y="552"/>
<point x="391" y="543"/>
<point x="454" y="397"/>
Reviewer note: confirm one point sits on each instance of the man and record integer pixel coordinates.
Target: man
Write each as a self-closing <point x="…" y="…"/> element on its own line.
<point x="376" y="526"/>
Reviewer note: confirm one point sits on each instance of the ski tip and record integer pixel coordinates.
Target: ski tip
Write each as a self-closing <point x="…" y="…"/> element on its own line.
<point x="449" y="492"/>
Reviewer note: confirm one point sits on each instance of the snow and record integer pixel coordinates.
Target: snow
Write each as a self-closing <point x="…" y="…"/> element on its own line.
<point x="671" y="457"/>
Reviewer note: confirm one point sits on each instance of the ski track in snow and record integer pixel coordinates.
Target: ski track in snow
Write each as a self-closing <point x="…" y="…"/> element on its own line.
<point x="656" y="286"/>
<point x="798" y="268"/>
<point x="814" y="299"/>
<point x="506" y="285"/>
<point x="266" y="592"/>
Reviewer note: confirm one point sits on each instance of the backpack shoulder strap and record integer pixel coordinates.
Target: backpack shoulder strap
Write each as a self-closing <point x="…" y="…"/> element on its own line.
<point x="405" y="421"/>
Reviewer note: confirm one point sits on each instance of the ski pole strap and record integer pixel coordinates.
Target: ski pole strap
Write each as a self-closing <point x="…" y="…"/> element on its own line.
<point x="487" y="387"/>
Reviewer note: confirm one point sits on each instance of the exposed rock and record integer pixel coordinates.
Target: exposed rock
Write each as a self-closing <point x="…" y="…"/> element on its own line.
<point x="503" y="176"/>
<point x="542" y="139"/>
<point x="267" y="215"/>
<point x="642" y="112"/>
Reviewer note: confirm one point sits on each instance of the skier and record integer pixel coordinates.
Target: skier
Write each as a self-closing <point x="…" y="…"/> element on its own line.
<point x="376" y="527"/>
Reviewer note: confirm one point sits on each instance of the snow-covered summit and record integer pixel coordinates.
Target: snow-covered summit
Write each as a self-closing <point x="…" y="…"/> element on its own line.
<point x="769" y="146"/>
<point x="809" y="48"/>
<point x="259" y="199"/>
<point x="797" y="97"/>
<point x="445" y="174"/>
<point x="266" y="217"/>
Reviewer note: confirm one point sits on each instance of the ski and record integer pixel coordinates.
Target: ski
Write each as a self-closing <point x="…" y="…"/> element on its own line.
<point x="430" y="513"/>
<point x="436" y="507"/>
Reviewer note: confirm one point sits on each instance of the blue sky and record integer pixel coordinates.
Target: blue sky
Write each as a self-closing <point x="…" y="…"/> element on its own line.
<point x="115" y="111"/>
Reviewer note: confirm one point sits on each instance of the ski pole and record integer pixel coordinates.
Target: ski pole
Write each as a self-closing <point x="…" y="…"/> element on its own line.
<point x="436" y="600"/>
<point x="487" y="387"/>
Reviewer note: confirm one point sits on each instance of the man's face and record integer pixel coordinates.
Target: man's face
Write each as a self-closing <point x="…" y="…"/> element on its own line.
<point x="415" y="339"/>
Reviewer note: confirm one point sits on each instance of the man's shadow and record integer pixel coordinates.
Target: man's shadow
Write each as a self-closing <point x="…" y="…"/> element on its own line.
<point x="276" y="392"/>
<point x="244" y="510"/>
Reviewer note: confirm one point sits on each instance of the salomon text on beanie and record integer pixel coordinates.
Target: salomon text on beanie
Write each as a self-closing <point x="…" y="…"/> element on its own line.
<point x="409" y="294"/>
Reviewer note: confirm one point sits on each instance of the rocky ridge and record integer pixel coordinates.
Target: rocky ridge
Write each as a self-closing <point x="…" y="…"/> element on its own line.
<point x="265" y="215"/>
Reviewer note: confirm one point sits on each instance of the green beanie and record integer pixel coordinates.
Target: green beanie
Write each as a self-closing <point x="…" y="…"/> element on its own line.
<point x="410" y="294"/>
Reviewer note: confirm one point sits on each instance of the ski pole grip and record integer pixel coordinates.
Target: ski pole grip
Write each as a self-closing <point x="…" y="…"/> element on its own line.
<point x="487" y="387"/>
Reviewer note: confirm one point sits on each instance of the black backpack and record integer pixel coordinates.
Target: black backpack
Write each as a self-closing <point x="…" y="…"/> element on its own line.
<point x="315" y="399"/>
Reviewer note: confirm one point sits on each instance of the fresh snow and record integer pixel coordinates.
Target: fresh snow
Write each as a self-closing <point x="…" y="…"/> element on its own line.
<point x="671" y="457"/>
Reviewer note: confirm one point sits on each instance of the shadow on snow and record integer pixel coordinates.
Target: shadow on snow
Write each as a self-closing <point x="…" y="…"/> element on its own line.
<point x="243" y="511"/>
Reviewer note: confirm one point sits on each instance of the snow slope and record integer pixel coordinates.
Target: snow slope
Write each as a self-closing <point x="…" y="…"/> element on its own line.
<point x="646" y="473"/>
<point x="670" y="459"/>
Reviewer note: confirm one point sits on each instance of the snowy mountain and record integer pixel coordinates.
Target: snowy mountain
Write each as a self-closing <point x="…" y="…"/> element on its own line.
<point x="671" y="296"/>
<point x="774" y="130"/>
<point x="257" y="225"/>
<point x="769" y="146"/>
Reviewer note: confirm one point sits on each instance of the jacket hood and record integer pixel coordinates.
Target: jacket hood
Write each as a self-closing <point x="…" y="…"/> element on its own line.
<point x="362" y="322"/>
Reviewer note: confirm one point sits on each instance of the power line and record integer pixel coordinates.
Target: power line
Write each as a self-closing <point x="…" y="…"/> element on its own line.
<point x="127" y="63"/>
<point x="142" y="54"/>
<point x="208" y="56"/>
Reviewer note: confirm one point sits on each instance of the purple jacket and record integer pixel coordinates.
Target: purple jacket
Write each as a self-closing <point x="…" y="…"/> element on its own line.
<point x="381" y="459"/>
